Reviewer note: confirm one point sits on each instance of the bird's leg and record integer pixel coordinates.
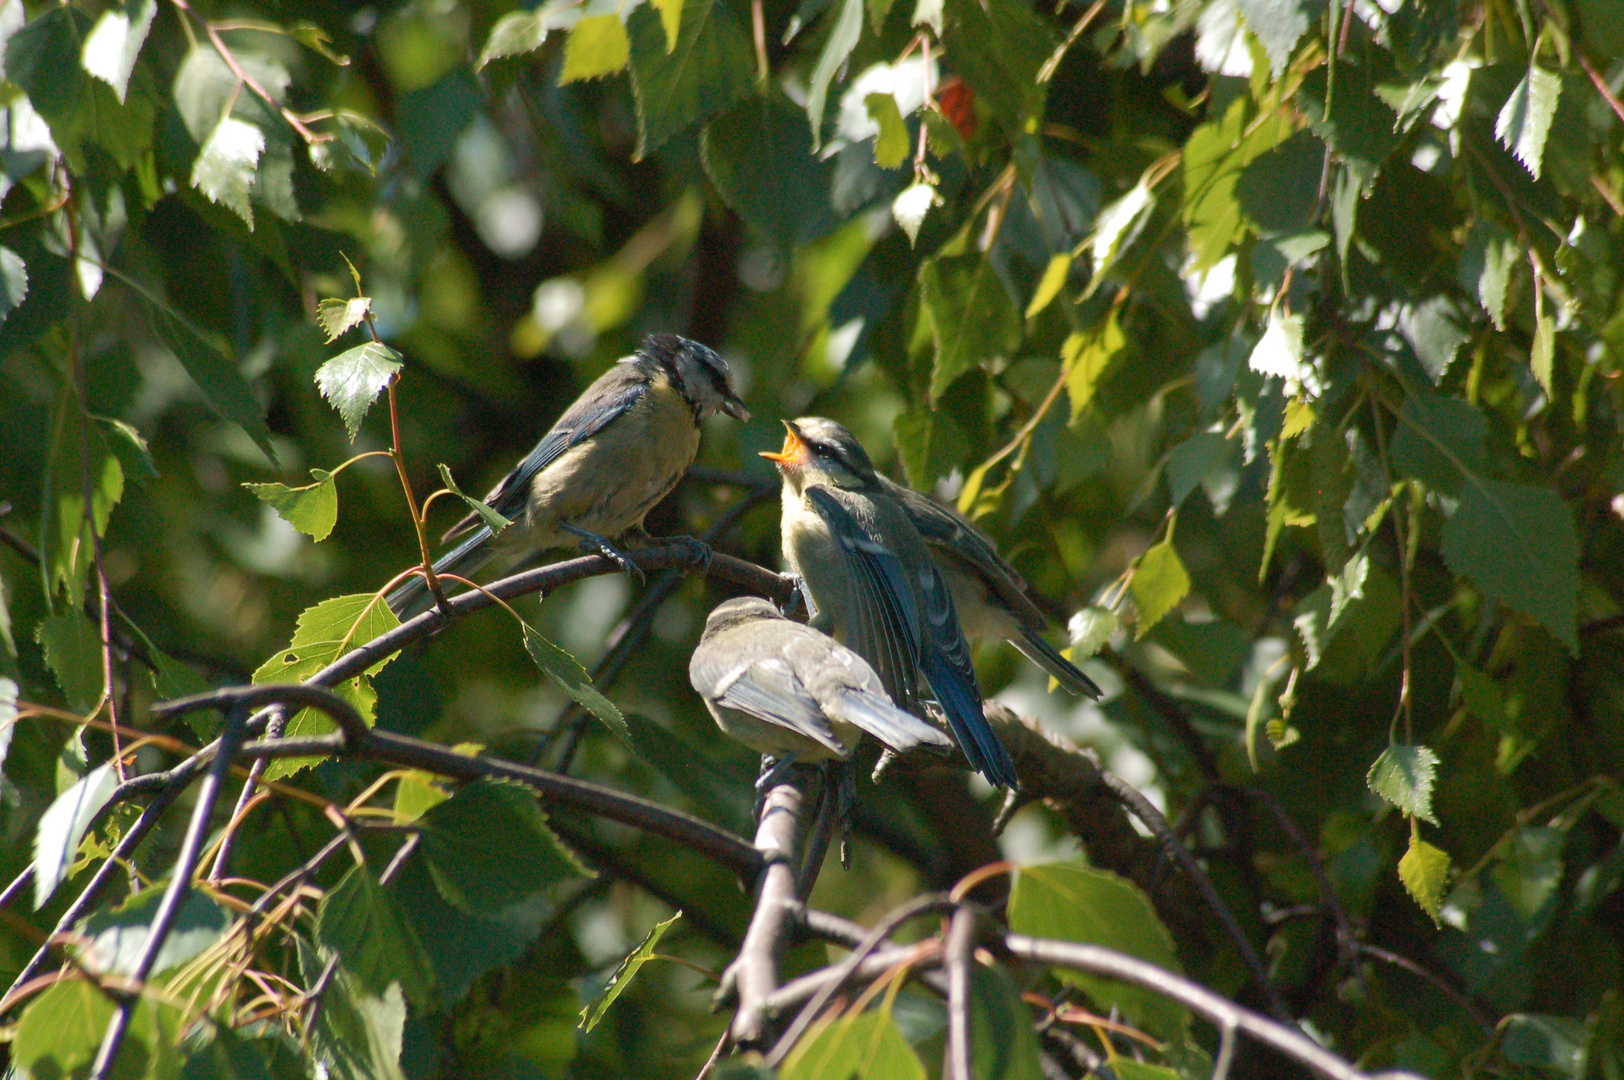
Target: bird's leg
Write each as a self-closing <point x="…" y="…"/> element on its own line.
<point x="845" y="806"/>
<point x="591" y="541"/>
<point x="642" y="538"/>
<point x="800" y="601"/>
<point x="772" y="771"/>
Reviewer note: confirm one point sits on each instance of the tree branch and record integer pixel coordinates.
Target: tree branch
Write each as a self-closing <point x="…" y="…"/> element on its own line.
<point x="961" y="933"/>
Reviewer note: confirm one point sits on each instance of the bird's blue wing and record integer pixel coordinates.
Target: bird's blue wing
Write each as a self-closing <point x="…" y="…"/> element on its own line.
<point x="885" y="618"/>
<point x="952" y="677"/>
<point x="593" y="411"/>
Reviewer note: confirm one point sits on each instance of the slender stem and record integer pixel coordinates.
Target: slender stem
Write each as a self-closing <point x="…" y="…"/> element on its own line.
<point x="754" y="973"/>
<point x="163" y="920"/>
<point x="399" y="458"/>
<point x="961" y="933"/>
<point x="256" y="772"/>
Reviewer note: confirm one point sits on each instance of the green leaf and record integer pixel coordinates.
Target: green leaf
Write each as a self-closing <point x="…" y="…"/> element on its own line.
<point x="598" y="46"/>
<point x="1482" y="696"/>
<point x="1159" y="583"/>
<point x="352" y="380"/>
<point x="488" y="847"/>
<point x="1054" y="277"/>
<point x="1074" y="902"/>
<point x="1279" y="352"/>
<point x="1115" y="230"/>
<point x="1525" y="119"/>
<point x="1485" y="267"/>
<point x="13" y="282"/>
<point x="516" y="33"/>
<point x="1087" y="356"/>
<point x="891" y="144"/>
<point x="843" y="34"/>
<point x="229" y="1056"/>
<point x="60" y="1032"/>
<point x="73" y="652"/>
<point x="115" y="42"/>
<point x="211" y="367"/>
<point x="1215" y="157"/>
<point x="1424" y="870"/>
<point x="718" y="791"/>
<point x="1554" y="1044"/>
<point x="625" y="973"/>
<point x="487" y="513"/>
<point x="573" y="679"/>
<point x="8" y="713"/>
<point x="1279" y="25"/>
<point x="312" y="509"/>
<point x="910" y="207"/>
<point x="1439" y="442"/>
<point x="709" y="69"/>
<point x="1090" y="629"/>
<point x="415" y="793"/>
<point x="365" y="926"/>
<point x="44" y="58"/>
<point x="63" y="825"/>
<point x="1542" y="357"/>
<point x="337" y="316"/>
<point x="1518" y="545"/>
<point x="1434" y="330"/>
<point x="111" y="942"/>
<point x="1404" y="776"/>
<point x="972" y="317"/>
<point x="1002" y="1042"/>
<point x="358" y="1035"/>
<point x="228" y="164"/>
<point x="323" y="633"/>
<point x="1279" y="189"/>
<point x="867" y="1045"/>
<point x="1354" y="120"/>
<point x="1193" y="460"/>
<point x="760" y="157"/>
<point x="1529" y="869"/>
<point x="79" y="457"/>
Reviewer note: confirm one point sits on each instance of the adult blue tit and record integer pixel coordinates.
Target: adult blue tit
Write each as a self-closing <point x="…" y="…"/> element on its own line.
<point x="786" y="690"/>
<point x="989" y="594"/>
<point x="869" y="581"/>
<point x="614" y="454"/>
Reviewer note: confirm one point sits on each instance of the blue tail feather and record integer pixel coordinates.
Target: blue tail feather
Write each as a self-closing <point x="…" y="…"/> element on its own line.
<point x="962" y="704"/>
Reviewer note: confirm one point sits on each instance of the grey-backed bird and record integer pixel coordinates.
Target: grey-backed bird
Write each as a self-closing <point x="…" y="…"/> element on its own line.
<point x="989" y="594"/>
<point x="870" y="582"/>
<point x="787" y="690"/>
<point x="615" y="453"/>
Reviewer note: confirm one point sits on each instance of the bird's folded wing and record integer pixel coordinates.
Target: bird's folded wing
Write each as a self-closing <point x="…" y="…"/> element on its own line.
<point x="766" y="688"/>
<point x="583" y="420"/>
<point x="953" y="538"/>
<point x="885" y="618"/>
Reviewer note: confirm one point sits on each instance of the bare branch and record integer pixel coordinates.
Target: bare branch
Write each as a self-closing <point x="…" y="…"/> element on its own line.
<point x="961" y="933"/>
<point x="1197" y="998"/>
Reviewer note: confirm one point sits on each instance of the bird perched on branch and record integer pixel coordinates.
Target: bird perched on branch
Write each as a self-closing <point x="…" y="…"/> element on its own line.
<point x="614" y="454"/>
<point x="989" y="594"/>
<point x="869" y="580"/>
<point x="793" y="693"/>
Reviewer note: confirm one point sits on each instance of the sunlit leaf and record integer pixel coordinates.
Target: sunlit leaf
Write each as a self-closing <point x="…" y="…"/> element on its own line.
<point x="909" y="208"/>
<point x="1424" y="870"/>
<point x="709" y="69"/>
<point x="73" y="651"/>
<point x="352" y="380"/>
<point x="1159" y="583"/>
<point x="13" y="282"/>
<point x="312" y="509"/>
<point x="845" y="28"/>
<point x="516" y="33"/>
<point x="1524" y="121"/>
<point x="1279" y="352"/>
<point x="597" y="46"/>
<point x="1054" y="277"/>
<point x="336" y="315"/>
<point x="63" y="825"/>
<point x="625" y="973"/>
<point x="115" y="42"/>
<point x="111" y="942"/>
<point x="891" y="144"/>
<point x="1404" y="776"/>
<point x="865" y="1045"/>
<point x="226" y="166"/>
<point x="1086" y="357"/>
<point x="487" y="513"/>
<point x="973" y="319"/>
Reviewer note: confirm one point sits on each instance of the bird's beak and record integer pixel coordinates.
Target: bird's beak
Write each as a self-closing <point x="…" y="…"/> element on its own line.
<point x="794" y="451"/>
<point x="735" y="408"/>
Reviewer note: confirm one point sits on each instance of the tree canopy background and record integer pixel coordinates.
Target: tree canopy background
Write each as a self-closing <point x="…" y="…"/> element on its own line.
<point x="1277" y="343"/>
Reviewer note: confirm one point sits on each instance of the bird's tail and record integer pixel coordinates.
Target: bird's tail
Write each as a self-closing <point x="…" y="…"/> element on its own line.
<point x="961" y="702"/>
<point x="899" y="730"/>
<point x="1048" y="658"/>
<point x="412" y="596"/>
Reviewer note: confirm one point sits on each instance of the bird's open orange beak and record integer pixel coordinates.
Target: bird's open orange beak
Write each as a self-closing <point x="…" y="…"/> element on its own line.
<point x="794" y="451"/>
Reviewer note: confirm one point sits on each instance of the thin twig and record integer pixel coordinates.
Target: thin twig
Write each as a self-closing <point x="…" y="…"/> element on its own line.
<point x="1193" y="996"/>
<point x="1153" y="820"/>
<point x="961" y="933"/>
<point x="163" y="919"/>
<point x="256" y="772"/>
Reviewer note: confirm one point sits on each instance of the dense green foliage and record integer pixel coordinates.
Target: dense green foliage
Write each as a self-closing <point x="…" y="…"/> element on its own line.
<point x="1281" y="341"/>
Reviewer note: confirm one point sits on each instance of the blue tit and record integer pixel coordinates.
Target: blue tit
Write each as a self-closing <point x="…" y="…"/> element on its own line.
<point x="613" y="455"/>
<point x="788" y="691"/>
<point x="870" y="582"/>
<point x="990" y="595"/>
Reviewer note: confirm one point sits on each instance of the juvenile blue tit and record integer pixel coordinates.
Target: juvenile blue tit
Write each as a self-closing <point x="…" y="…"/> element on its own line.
<point x="613" y="455"/>
<point x="989" y="594"/>
<point x="786" y="690"/>
<point x="870" y="582"/>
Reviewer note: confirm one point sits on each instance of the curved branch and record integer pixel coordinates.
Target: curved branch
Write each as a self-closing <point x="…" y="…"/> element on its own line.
<point x="305" y="695"/>
<point x="1197" y="998"/>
